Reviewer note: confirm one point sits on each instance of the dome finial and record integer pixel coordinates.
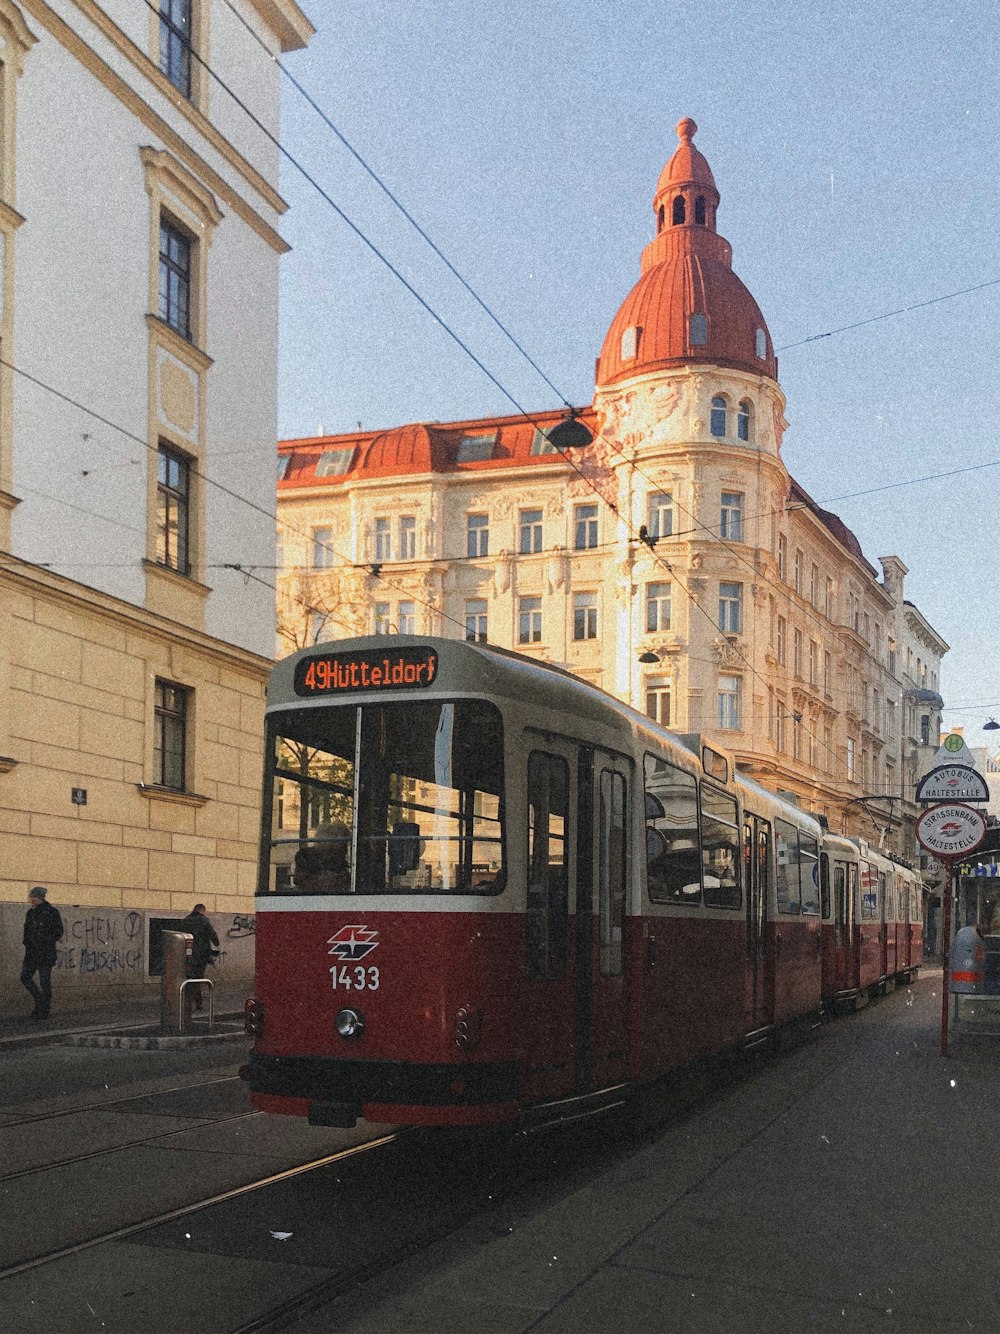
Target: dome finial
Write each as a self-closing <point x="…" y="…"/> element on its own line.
<point x="686" y="130"/>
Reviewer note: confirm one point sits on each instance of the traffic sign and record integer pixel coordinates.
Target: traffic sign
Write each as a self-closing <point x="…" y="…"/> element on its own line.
<point x="953" y="750"/>
<point x="953" y="782"/>
<point x="950" y="830"/>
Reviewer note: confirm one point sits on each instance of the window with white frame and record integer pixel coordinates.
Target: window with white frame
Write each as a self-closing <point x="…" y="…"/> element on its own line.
<point x="827" y="673"/>
<point x="830" y="600"/>
<point x="322" y="548"/>
<point x="781" y="647"/>
<point x="334" y="462"/>
<point x="475" y="620"/>
<point x="731" y="608"/>
<point x="827" y="756"/>
<point x="717" y="420"/>
<point x="729" y="699"/>
<point x="383" y="539"/>
<point x="529" y="532"/>
<point x="797" y="652"/>
<point x="781" y="713"/>
<point x="658" y="700"/>
<point x="658" y="606"/>
<point x="407" y="618"/>
<point x="407" y="536"/>
<point x="797" y="571"/>
<point x="173" y="509"/>
<point x="782" y="557"/>
<point x="796" y="736"/>
<point x="584" y="615"/>
<point x="382" y="616"/>
<point x="529" y="620"/>
<point x="585" y="527"/>
<point x="660" y="515"/>
<point x="813" y="662"/>
<point x="477" y="535"/>
<point x="814" y="584"/>
<point x="743" y="420"/>
<point x="731" y="516"/>
<point x="850" y="759"/>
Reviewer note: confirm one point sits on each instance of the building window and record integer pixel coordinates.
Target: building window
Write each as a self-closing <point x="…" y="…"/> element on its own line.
<point x="173" y="509"/>
<point x="743" y="420"/>
<point x="797" y="652"/>
<point x="284" y="463"/>
<point x="729" y="703"/>
<point x="813" y="662"/>
<point x="814" y="584"/>
<point x="316" y="626"/>
<point x="175" y="277"/>
<point x="175" y="43"/>
<point x="731" y="608"/>
<point x="699" y="210"/>
<point x="322" y="554"/>
<point x="830" y="604"/>
<point x="541" y="444"/>
<point x="850" y="759"/>
<point x="530" y="532"/>
<point x="781" y="714"/>
<point x="797" y="571"/>
<point x="630" y="343"/>
<point x="658" y="700"/>
<point x="334" y="462"/>
<point x="476" y="448"/>
<point x="679" y="211"/>
<point x="718" y="419"/>
<point x="796" y="736"/>
<point x="584" y="615"/>
<point x="407" y="614"/>
<point x="529" y="621"/>
<point x="477" y="535"/>
<point x="407" y="537"/>
<point x="383" y="540"/>
<point x="170" y="716"/>
<point x="782" y="558"/>
<point x="760" y="345"/>
<point x="657" y="607"/>
<point x="475" y="620"/>
<point x="585" y="520"/>
<point x="731" y="517"/>
<point x="382" y="625"/>
<point x="925" y="729"/>
<point x="827" y="673"/>
<point x="660" y="515"/>
<point x="781" y="647"/>
<point x="698" y="330"/>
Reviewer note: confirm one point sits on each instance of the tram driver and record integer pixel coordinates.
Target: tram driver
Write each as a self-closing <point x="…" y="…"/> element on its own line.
<point x="323" y="867"/>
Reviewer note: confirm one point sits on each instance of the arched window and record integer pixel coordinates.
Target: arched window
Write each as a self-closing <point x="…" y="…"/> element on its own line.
<point x="698" y="330"/>
<point x="699" y="210"/>
<point x="661" y="218"/>
<point x="718" y="423"/>
<point x="680" y="211"/>
<point x="761" y="347"/>
<point x="743" y="420"/>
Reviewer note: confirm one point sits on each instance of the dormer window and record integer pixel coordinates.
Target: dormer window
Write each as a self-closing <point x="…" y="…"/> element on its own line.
<point x="699" y="210"/>
<point x="284" y="463"/>
<point x="743" y="420"/>
<point x="718" y="418"/>
<point x="698" y="330"/>
<point x="334" y="462"/>
<point x="630" y="343"/>
<point x="476" y="448"/>
<point x="680" y="211"/>
<point x="761" y="345"/>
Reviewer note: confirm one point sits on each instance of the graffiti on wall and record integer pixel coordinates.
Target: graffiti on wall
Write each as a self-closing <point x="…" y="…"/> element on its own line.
<point x="101" y="943"/>
<point x="244" y="924"/>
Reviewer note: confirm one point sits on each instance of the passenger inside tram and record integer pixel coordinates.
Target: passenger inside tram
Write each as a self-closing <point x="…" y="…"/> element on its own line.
<point x="322" y="866"/>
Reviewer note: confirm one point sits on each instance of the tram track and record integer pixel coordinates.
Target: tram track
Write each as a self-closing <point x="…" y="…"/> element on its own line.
<point x="106" y="1103"/>
<point x="187" y="1210"/>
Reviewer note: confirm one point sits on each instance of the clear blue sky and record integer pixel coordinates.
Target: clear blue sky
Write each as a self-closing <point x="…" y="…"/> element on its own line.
<point x="855" y="149"/>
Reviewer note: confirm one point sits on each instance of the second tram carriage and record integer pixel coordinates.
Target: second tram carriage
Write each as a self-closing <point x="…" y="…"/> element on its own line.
<point x="488" y="889"/>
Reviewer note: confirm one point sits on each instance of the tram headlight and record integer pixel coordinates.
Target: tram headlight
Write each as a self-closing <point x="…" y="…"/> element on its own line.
<point x="349" y="1023"/>
<point x="468" y="1028"/>
<point x="253" y="1017"/>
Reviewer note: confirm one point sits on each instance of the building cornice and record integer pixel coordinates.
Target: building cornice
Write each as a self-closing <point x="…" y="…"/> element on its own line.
<point x="288" y="23"/>
<point x="33" y="580"/>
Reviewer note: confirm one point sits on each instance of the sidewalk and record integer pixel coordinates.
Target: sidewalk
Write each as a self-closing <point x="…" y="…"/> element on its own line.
<point x="18" y="1032"/>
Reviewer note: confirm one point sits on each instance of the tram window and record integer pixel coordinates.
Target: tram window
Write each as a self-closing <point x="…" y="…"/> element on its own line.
<point x="840" y="908"/>
<point x="869" y="893"/>
<point x="720" y="849"/>
<point x="612" y="869"/>
<point x="824" y="886"/>
<point x="548" y="892"/>
<point x="883" y="894"/>
<point x="809" y="873"/>
<point x="789" y="889"/>
<point x="673" y="872"/>
<point x="423" y="810"/>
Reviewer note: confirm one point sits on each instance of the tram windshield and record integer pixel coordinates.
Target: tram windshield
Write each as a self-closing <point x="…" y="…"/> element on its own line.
<point x="385" y="798"/>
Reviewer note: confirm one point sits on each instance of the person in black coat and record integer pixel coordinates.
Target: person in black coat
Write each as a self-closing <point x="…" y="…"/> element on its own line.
<point x="205" y="946"/>
<point x="42" y="928"/>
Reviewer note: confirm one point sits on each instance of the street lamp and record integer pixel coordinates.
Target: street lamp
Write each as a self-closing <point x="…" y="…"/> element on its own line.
<point x="649" y="657"/>
<point x="991" y="726"/>
<point x="570" y="433"/>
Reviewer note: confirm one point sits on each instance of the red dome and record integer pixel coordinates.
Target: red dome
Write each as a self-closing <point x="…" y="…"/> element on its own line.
<point x="688" y="306"/>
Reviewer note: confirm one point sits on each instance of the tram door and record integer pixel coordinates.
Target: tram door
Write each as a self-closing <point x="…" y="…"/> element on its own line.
<point x="843" y="929"/>
<point x="603" y="873"/>
<point x="883" y="936"/>
<point x="756" y="867"/>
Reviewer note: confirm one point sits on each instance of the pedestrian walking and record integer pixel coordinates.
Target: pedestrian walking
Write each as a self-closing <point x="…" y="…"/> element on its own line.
<point x="42" y="928"/>
<point x="204" y="948"/>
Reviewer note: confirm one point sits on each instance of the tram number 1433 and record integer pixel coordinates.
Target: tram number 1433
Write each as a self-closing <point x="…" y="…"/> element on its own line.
<point x="353" y="979"/>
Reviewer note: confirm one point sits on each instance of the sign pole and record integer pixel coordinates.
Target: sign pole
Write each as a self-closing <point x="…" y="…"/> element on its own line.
<point x="946" y="970"/>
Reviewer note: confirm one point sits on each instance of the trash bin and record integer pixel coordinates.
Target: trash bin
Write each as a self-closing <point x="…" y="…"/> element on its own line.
<point x="968" y="959"/>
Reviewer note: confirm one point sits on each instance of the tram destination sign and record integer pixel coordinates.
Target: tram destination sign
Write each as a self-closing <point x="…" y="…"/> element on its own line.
<point x="950" y="830"/>
<point x="952" y="782"/>
<point x="408" y="667"/>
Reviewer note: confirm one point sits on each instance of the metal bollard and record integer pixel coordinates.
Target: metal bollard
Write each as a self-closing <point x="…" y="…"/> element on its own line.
<point x="176" y="950"/>
<point x="199" y="982"/>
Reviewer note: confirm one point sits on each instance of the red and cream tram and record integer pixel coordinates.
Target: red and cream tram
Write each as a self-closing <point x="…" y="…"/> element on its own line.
<point x="489" y="889"/>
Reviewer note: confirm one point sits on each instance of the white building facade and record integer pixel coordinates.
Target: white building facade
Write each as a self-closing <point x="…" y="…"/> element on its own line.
<point x="139" y="221"/>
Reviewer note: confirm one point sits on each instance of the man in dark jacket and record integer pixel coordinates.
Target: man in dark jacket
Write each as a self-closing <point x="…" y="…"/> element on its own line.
<point x="206" y="945"/>
<point x="42" y="928"/>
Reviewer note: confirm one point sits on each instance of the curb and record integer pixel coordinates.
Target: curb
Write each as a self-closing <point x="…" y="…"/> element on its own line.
<point x="153" y="1041"/>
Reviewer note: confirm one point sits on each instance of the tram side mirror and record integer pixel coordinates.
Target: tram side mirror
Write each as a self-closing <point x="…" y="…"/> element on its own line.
<point x="404" y="847"/>
<point x="654" y="807"/>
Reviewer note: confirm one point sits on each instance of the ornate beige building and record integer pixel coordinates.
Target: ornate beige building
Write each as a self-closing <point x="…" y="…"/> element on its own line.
<point x="674" y="561"/>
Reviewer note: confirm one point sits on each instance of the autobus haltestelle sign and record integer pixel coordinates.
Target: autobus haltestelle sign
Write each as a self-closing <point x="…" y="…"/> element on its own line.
<point x="950" y="830"/>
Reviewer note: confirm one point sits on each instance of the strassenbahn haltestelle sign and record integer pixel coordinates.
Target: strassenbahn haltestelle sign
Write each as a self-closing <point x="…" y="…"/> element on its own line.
<point x="950" y="830"/>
